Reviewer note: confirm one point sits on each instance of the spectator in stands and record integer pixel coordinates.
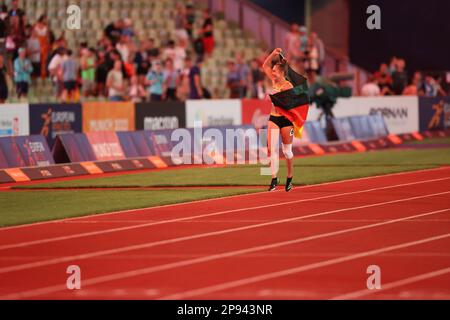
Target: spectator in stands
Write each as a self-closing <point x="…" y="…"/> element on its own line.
<point x="415" y="88"/>
<point x="61" y="41"/>
<point x="16" y="37"/>
<point x="128" y="30"/>
<point x="399" y="77"/>
<point x="69" y="74"/>
<point x="392" y="65"/>
<point x="55" y="71"/>
<point x="155" y="79"/>
<point x="318" y="44"/>
<point x="124" y="47"/>
<point x="152" y="51"/>
<point x="190" y="19"/>
<point x="384" y="80"/>
<point x="22" y="73"/>
<point x="180" y="23"/>
<point x="171" y="80"/>
<point x="244" y="74"/>
<point x="16" y="11"/>
<point x="257" y="80"/>
<point x="207" y="33"/>
<point x="113" y="31"/>
<point x="4" y="30"/>
<point x="311" y="56"/>
<point x="432" y="88"/>
<point x="34" y="51"/>
<point x="130" y="67"/>
<point x="234" y="80"/>
<point x="371" y="88"/>
<point x="199" y="48"/>
<point x="303" y="36"/>
<point x="42" y="31"/>
<point x="194" y="77"/>
<point x="115" y="82"/>
<point x="3" y="80"/>
<point x="292" y="43"/>
<point x="175" y="53"/>
<point x="87" y="66"/>
<point x="136" y="91"/>
<point x="141" y="60"/>
<point x="183" y="89"/>
<point x="101" y="73"/>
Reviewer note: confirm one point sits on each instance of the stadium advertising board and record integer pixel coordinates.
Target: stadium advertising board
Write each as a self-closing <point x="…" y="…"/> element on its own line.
<point x="401" y="114"/>
<point x="213" y="113"/>
<point x="313" y="132"/>
<point x="76" y="146"/>
<point x="106" y="145"/>
<point x="108" y="116"/>
<point x="256" y="112"/>
<point x="14" y="120"/>
<point x="343" y="128"/>
<point x="49" y="120"/>
<point x="136" y="144"/>
<point x="24" y="151"/>
<point x="434" y="113"/>
<point x="160" y="115"/>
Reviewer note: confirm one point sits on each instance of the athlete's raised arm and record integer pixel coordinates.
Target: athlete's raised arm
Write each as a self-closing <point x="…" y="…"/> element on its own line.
<point x="267" y="65"/>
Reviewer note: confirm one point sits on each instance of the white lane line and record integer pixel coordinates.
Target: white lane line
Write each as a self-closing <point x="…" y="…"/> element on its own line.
<point x="179" y="264"/>
<point x="394" y="284"/>
<point x="222" y="198"/>
<point x="291" y="271"/>
<point x="144" y="225"/>
<point x="93" y="254"/>
<point x="147" y="245"/>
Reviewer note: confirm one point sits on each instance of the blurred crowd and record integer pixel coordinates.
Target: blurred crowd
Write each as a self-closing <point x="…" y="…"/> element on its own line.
<point x="120" y="67"/>
<point x="393" y="79"/>
<point x="125" y="67"/>
<point x="304" y="50"/>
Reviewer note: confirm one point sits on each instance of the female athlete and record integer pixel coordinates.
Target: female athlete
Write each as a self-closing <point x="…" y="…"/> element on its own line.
<point x="276" y="68"/>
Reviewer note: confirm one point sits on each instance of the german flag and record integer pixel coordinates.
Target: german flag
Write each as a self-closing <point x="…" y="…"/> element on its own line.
<point x="293" y="103"/>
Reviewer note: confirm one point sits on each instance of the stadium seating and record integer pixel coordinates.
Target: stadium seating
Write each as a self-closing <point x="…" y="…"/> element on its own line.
<point x="151" y="18"/>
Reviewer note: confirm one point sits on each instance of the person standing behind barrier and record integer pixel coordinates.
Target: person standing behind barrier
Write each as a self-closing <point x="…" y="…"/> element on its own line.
<point x="194" y="76"/>
<point x="155" y="79"/>
<point x="42" y="32"/>
<point x="399" y="77"/>
<point x="136" y="91"/>
<point x="22" y="73"/>
<point x="34" y="52"/>
<point x="384" y="80"/>
<point x="69" y="75"/>
<point x="208" y="35"/>
<point x="115" y="82"/>
<point x="87" y="65"/>
<point x="54" y="69"/>
<point x="292" y="42"/>
<point x="170" y="80"/>
<point x="101" y="73"/>
<point x="234" y="81"/>
<point x="257" y="80"/>
<point x="180" y="22"/>
<point x="3" y="82"/>
<point x="190" y="20"/>
<point x="244" y="74"/>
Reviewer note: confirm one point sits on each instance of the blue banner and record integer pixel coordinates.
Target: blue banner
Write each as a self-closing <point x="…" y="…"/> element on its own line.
<point x="315" y="132"/>
<point x="434" y="113"/>
<point x="49" y="120"/>
<point x="25" y="151"/>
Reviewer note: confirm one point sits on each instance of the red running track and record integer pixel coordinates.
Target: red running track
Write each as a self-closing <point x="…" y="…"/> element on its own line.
<point x="315" y="242"/>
